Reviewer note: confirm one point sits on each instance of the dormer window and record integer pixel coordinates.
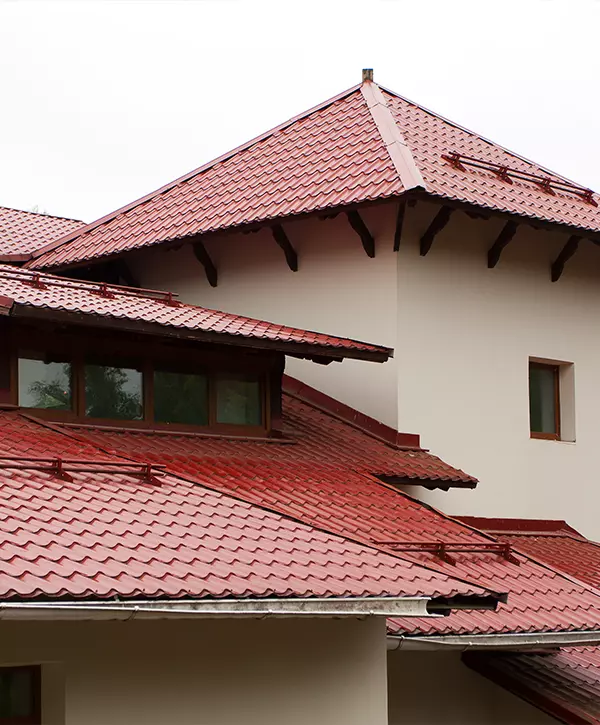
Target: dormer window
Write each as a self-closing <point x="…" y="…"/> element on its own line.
<point x="145" y="393"/>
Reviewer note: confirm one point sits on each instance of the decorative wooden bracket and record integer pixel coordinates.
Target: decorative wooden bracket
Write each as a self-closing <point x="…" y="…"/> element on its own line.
<point x="505" y="237"/>
<point x="360" y="228"/>
<point x="291" y="257"/>
<point x="566" y="253"/>
<point x="204" y="258"/>
<point x="439" y="222"/>
<point x="399" y="224"/>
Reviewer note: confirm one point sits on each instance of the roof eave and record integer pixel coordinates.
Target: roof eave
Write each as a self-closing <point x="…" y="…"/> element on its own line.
<point x="515" y="641"/>
<point x="317" y="353"/>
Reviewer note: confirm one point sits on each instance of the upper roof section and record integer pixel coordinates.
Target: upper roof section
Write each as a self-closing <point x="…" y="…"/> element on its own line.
<point x="24" y="232"/>
<point x="24" y="293"/>
<point x="363" y="145"/>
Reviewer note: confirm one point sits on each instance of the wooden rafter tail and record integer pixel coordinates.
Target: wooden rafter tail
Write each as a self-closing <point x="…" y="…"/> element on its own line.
<point x="566" y="253"/>
<point x="438" y="223"/>
<point x="399" y="224"/>
<point x="291" y="256"/>
<point x="357" y="223"/>
<point x="504" y="238"/>
<point x="204" y="258"/>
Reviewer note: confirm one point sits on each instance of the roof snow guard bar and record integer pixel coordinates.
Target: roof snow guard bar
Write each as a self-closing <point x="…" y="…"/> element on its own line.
<point x="443" y="549"/>
<point x="39" y="280"/>
<point x="63" y="467"/>
<point x="505" y="173"/>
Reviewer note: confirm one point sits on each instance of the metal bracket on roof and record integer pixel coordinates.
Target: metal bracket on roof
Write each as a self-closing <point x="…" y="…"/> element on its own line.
<point x="566" y="253"/>
<point x="357" y="223"/>
<point x="439" y="222"/>
<point x="291" y="257"/>
<point x="103" y="291"/>
<point x="204" y="258"/>
<point x="443" y="549"/>
<point x="505" y="237"/>
<point x="35" y="281"/>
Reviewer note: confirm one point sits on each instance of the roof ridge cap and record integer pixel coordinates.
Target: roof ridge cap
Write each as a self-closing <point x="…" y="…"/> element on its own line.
<point x="391" y="135"/>
<point x="71" y="236"/>
<point x="478" y="135"/>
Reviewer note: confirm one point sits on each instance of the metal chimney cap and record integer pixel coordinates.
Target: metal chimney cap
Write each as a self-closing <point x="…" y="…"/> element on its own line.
<point x="367" y="74"/>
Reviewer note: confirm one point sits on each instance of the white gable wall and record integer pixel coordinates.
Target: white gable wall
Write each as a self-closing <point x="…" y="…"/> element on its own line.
<point x="462" y="335"/>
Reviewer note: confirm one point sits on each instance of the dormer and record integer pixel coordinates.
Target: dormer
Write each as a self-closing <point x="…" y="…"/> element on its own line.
<point x="86" y="353"/>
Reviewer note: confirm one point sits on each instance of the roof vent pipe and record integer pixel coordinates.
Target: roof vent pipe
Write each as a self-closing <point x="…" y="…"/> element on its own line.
<point x="367" y="74"/>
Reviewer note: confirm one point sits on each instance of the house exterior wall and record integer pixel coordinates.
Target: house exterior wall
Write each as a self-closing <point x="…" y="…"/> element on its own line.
<point x="462" y="335"/>
<point x="435" y="687"/>
<point x="205" y="672"/>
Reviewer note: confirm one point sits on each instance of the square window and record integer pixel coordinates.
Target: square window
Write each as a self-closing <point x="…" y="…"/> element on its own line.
<point x="20" y="695"/>
<point x="44" y="384"/>
<point x="239" y="400"/>
<point x="113" y="392"/>
<point x="544" y="400"/>
<point x="180" y="398"/>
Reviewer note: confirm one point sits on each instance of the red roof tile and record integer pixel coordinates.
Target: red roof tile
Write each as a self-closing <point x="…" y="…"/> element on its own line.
<point x="564" y="684"/>
<point x="324" y="478"/>
<point x="363" y="145"/>
<point x="107" y="533"/>
<point x="553" y="542"/>
<point x="24" y="232"/>
<point x="161" y="309"/>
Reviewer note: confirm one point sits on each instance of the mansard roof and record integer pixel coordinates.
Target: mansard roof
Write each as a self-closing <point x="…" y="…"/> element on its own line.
<point x="367" y="144"/>
<point x="24" y="232"/>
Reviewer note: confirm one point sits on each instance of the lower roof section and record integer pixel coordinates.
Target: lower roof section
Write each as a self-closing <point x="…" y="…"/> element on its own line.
<point x="564" y="684"/>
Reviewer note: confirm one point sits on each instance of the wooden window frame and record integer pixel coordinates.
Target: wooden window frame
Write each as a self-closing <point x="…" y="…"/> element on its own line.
<point x="36" y="717"/>
<point x="148" y="366"/>
<point x="556" y="378"/>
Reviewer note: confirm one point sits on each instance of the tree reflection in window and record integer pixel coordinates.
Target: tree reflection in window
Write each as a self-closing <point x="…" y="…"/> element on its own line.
<point x="44" y="384"/>
<point x="180" y="398"/>
<point x="112" y="392"/>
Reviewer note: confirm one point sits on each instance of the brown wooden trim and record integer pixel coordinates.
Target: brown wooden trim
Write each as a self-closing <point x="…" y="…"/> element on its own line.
<point x="504" y="238"/>
<point x="357" y="223"/>
<point x="291" y="256"/>
<point x="205" y="260"/>
<point x="438" y="222"/>
<point x="565" y="254"/>
<point x="555" y="436"/>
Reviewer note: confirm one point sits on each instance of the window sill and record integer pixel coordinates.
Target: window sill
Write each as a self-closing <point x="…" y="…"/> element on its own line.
<point x="549" y="438"/>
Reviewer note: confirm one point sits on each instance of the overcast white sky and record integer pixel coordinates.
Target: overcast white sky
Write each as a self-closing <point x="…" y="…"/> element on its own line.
<point x="103" y="101"/>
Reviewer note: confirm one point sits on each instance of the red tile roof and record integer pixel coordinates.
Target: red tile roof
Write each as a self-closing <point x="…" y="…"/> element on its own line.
<point x="24" y="232"/>
<point x="29" y="290"/>
<point x="324" y="477"/>
<point x="553" y="542"/>
<point x="108" y="532"/>
<point x="564" y="684"/>
<point x="365" y="144"/>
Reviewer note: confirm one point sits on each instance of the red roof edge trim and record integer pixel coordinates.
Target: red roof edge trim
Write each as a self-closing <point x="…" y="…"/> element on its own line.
<point x="546" y="702"/>
<point x="519" y="526"/>
<point x="369" y="425"/>
<point x="15" y="258"/>
<point x="186" y="177"/>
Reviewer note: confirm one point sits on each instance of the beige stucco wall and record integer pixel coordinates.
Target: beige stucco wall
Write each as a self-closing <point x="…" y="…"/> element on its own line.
<point x="435" y="687"/>
<point x="206" y="672"/>
<point x="337" y="289"/>
<point x="462" y="334"/>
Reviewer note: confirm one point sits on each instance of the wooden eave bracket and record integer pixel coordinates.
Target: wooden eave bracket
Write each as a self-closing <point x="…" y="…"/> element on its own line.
<point x="291" y="256"/>
<point x="566" y="253"/>
<point x="439" y="222"/>
<point x="365" y="235"/>
<point x="504" y="238"/>
<point x="204" y="258"/>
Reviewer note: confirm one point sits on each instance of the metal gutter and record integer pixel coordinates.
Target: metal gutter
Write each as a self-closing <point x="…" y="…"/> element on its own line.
<point x="514" y="641"/>
<point x="209" y="609"/>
